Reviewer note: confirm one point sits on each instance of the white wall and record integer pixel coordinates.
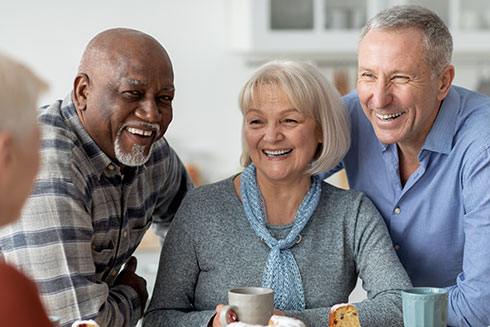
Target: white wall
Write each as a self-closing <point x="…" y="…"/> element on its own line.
<point x="50" y="36"/>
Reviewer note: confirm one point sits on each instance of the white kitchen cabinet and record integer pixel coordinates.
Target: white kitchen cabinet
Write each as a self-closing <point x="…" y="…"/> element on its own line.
<point x="329" y="29"/>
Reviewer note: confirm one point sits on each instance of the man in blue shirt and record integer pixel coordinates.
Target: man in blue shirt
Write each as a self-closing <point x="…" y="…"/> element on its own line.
<point x="421" y="151"/>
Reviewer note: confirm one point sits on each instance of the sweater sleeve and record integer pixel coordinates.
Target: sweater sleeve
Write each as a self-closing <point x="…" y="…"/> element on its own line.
<point x="173" y="296"/>
<point x="377" y="265"/>
<point x="379" y="268"/>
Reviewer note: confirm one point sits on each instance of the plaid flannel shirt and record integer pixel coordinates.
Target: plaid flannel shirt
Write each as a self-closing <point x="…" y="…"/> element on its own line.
<point x="84" y="219"/>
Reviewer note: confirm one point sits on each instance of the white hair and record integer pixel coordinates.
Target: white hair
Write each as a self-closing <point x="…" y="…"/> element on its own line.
<point x="438" y="43"/>
<point x="19" y="92"/>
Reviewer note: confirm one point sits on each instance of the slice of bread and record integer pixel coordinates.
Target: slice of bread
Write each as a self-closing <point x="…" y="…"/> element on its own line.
<point x="343" y="315"/>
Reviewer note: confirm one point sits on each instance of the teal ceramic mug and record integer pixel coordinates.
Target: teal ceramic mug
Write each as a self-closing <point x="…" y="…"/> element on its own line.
<point x="424" y="307"/>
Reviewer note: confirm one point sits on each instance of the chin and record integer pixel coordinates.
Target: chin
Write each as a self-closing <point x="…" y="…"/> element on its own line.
<point x="387" y="138"/>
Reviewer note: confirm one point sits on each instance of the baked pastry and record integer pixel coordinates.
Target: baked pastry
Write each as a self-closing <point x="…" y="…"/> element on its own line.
<point x="343" y="315"/>
<point x="85" y="323"/>
<point x="242" y="324"/>
<point x="282" y="321"/>
<point x="277" y="321"/>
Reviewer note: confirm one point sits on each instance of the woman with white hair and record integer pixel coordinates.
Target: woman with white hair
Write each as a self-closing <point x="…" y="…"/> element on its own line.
<point x="276" y="224"/>
<point x="19" y="162"/>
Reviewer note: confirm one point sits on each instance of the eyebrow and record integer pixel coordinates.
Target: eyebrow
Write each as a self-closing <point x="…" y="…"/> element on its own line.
<point x="133" y="81"/>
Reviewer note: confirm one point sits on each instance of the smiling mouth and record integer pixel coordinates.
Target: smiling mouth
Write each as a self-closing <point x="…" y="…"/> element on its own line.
<point x="278" y="153"/>
<point x="388" y="117"/>
<point x="139" y="132"/>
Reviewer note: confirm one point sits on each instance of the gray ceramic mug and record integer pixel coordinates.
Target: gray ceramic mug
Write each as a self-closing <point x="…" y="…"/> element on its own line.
<point x="253" y="305"/>
<point x="424" y="307"/>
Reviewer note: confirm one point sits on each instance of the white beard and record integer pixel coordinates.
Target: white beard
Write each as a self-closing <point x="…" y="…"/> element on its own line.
<point x="136" y="157"/>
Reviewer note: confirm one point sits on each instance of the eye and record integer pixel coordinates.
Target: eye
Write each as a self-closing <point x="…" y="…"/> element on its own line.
<point x="290" y="121"/>
<point x="165" y="98"/>
<point x="367" y="76"/>
<point x="400" y="79"/>
<point x="254" y="122"/>
<point x="132" y="93"/>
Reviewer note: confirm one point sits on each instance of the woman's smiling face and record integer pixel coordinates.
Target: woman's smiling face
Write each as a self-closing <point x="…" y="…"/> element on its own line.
<point x="282" y="142"/>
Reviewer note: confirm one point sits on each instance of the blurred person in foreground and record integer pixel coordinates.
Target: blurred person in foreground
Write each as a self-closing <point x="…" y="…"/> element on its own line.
<point x="107" y="174"/>
<point x="20" y="304"/>
<point x="421" y="152"/>
<point x="276" y="224"/>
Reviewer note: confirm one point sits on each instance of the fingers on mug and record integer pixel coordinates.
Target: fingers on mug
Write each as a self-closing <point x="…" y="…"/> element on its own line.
<point x="224" y="313"/>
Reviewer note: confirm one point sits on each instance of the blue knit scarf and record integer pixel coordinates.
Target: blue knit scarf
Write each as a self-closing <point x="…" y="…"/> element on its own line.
<point x="281" y="273"/>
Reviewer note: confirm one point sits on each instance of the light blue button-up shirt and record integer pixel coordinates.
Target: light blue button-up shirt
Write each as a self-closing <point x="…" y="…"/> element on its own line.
<point x="439" y="220"/>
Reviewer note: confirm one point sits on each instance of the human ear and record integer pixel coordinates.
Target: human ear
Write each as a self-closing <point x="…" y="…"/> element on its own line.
<point x="80" y="91"/>
<point x="445" y="80"/>
<point x="5" y="152"/>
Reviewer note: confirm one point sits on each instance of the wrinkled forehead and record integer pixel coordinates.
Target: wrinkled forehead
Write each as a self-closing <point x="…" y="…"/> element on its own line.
<point x="145" y="83"/>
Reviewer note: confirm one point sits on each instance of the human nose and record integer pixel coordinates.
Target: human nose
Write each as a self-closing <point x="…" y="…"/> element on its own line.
<point x="149" y="111"/>
<point x="382" y="95"/>
<point x="272" y="133"/>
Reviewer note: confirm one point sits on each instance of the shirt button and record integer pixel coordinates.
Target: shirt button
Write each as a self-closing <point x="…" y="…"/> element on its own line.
<point x="397" y="210"/>
<point x="397" y="246"/>
<point x="114" y="273"/>
<point x="111" y="167"/>
<point x="125" y="234"/>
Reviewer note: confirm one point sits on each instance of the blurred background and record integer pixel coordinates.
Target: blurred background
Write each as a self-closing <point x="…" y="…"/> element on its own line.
<point x="215" y="45"/>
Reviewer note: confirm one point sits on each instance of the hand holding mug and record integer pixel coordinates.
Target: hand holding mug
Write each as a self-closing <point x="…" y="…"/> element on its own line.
<point x="252" y="305"/>
<point x="231" y="317"/>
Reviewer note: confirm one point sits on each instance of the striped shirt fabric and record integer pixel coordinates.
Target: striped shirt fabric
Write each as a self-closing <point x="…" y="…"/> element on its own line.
<point x="85" y="218"/>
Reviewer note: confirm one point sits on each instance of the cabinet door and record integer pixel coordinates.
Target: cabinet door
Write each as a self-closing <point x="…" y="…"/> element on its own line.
<point x="330" y="28"/>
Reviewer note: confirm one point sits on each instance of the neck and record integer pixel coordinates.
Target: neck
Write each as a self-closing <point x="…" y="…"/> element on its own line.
<point x="281" y="200"/>
<point x="408" y="162"/>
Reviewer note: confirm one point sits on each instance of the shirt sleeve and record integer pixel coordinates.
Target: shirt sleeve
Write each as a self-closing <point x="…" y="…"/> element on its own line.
<point x="19" y="301"/>
<point x="52" y="243"/>
<point x="469" y="299"/>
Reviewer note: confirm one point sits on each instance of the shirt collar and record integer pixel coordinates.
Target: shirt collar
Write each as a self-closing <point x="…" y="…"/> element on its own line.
<point x="440" y="138"/>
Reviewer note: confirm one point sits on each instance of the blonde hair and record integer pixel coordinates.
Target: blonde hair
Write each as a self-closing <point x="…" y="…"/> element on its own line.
<point x="312" y="95"/>
<point x="19" y="92"/>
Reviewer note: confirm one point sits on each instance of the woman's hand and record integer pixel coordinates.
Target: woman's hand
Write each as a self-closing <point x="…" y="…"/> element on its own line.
<point x="230" y="317"/>
<point x="278" y="312"/>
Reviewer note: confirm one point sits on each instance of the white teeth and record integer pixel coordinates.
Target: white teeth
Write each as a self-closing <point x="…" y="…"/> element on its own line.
<point x="277" y="153"/>
<point x="133" y="130"/>
<point x="389" y="116"/>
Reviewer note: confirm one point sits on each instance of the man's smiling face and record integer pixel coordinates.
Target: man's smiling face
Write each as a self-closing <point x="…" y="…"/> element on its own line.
<point x="129" y="101"/>
<point x="395" y="86"/>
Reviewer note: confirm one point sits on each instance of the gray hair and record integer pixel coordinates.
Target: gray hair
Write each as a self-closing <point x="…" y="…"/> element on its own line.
<point x="312" y="95"/>
<point x="438" y="46"/>
<point x="19" y="92"/>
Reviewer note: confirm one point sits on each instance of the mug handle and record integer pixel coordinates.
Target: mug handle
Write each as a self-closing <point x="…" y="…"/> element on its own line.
<point x="224" y="313"/>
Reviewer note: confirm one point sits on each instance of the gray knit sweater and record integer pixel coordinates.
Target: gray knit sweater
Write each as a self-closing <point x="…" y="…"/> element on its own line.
<point x="211" y="248"/>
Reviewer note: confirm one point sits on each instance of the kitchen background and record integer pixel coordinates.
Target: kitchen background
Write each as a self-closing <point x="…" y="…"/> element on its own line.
<point x="215" y="45"/>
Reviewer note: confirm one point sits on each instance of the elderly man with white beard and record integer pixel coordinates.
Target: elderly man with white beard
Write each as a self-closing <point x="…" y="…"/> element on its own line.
<point x="106" y="174"/>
